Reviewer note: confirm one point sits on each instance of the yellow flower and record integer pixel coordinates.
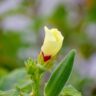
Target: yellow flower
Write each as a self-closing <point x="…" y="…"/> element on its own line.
<point x="52" y="42"/>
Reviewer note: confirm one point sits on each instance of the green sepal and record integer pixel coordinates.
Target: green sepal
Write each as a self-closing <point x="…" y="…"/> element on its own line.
<point x="33" y="67"/>
<point x="60" y="75"/>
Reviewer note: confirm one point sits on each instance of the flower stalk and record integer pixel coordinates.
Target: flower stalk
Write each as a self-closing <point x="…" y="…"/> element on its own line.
<point x="36" y="87"/>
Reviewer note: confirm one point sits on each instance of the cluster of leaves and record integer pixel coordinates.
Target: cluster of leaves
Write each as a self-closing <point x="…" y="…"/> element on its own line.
<point x="21" y="84"/>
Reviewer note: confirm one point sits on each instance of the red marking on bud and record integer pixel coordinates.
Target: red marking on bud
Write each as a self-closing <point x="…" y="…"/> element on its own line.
<point x="46" y="58"/>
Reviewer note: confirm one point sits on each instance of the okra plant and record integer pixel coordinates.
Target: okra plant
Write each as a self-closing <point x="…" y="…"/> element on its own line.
<point x="56" y="85"/>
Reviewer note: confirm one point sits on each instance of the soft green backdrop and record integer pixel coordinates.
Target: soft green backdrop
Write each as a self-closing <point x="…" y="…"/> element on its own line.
<point x="22" y="33"/>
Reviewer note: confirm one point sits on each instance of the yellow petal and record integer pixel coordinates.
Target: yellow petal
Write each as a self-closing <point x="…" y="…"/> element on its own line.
<point x="52" y="42"/>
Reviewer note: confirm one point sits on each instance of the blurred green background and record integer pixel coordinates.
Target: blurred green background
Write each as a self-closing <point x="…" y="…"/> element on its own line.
<point x="22" y="32"/>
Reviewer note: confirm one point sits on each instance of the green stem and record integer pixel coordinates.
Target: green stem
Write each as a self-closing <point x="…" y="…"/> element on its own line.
<point x="36" y="87"/>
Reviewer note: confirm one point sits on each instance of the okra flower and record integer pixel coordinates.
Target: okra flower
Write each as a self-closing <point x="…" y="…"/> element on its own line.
<point x="52" y="43"/>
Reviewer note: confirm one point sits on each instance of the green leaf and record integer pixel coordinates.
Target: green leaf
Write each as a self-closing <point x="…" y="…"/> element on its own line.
<point x="60" y="76"/>
<point x="9" y="93"/>
<point x="70" y="91"/>
<point x="11" y="80"/>
<point x="16" y="83"/>
<point x="13" y="92"/>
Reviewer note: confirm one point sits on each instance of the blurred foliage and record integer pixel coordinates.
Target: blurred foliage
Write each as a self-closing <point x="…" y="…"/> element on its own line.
<point x="70" y="91"/>
<point x="74" y="33"/>
<point x="9" y="93"/>
<point x="92" y="10"/>
<point x="9" y="44"/>
<point x="16" y="79"/>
